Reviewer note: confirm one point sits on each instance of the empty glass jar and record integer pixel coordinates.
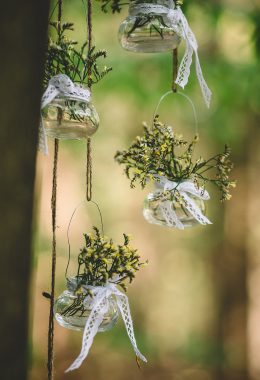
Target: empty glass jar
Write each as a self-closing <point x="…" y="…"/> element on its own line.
<point x="72" y="310"/>
<point x="153" y="213"/>
<point x="148" y="32"/>
<point x="70" y="119"/>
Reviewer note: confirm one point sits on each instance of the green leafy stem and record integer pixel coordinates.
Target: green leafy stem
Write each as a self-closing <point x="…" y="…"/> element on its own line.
<point x="64" y="56"/>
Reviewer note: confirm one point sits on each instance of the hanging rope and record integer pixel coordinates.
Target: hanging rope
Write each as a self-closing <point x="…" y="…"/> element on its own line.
<point x="89" y="170"/>
<point x="89" y="150"/>
<point x="54" y="215"/>
<point x="89" y="28"/>
<point x="174" y="77"/>
<point x="174" y="69"/>
<point x="53" y="262"/>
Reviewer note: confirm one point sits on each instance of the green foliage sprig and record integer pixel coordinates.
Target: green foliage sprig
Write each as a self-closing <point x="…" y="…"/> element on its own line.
<point x="162" y="152"/>
<point x="100" y="261"/>
<point x="64" y="56"/>
<point x="114" y="5"/>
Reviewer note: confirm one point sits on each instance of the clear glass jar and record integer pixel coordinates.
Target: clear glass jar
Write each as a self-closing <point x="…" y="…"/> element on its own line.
<point x="152" y="211"/>
<point x="72" y="312"/>
<point x="70" y="119"/>
<point x="148" y="33"/>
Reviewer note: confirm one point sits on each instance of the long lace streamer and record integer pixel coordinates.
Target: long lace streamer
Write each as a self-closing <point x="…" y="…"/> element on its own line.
<point x="175" y="19"/>
<point x="100" y="306"/>
<point x="59" y="85"/>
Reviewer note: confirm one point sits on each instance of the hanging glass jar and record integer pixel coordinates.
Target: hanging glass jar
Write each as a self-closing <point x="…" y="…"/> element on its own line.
<point x="69" y="118"/>
<point x="147" y="28"/>
<point x="72" y="308"/>
<point x="167" y="210"/>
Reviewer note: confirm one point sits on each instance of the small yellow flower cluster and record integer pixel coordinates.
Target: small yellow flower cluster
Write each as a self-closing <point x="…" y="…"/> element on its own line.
<point x="100" y="261"/>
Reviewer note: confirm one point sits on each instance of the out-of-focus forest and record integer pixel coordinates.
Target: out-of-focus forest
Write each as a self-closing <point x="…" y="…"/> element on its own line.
<point x="196" y="306"/>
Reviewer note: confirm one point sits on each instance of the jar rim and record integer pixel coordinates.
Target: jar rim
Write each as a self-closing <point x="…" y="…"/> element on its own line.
<point x="73" y="282"/>
<point x="161" y="7"/>
<point x="155" y="2"/>
<point x="71" y="97"/>
<point x="168" y="179"/>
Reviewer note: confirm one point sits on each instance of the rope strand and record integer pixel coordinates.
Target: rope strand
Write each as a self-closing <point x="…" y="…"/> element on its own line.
<point x="53" y="262"/>
<point x="54" y="219"/>
<point x="89" y="29"/>
<point x="89" y="149"/>
<point x="174" y="69"/>
<point x="89" y="171"/>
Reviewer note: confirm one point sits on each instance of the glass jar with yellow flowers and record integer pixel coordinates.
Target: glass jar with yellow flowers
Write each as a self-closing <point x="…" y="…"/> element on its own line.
<point x="93" y="301"/>
<point x="164" y="158"/>
<point x="102" y="266"/>
<point x="74" y="305"/>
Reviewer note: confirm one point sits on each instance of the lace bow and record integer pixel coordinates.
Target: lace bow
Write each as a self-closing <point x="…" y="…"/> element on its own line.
<point x="59" y="85"/>
<point x="183" y="189"/>
<point x="175" y="19"/>
<point x="100" y="306"/>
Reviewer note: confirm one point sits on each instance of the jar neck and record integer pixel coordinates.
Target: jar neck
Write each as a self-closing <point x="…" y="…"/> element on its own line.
<point x="148" y="7"/>
<point x="72" y="284"/>
<point x="165" y="3"/>
<point x="69" y="97"/>
<point x="162" y="180"/>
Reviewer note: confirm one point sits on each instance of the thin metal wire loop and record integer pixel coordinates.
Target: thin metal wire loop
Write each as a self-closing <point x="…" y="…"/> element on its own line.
<point x="69" y="226"/>
<point x="184" y="96"/>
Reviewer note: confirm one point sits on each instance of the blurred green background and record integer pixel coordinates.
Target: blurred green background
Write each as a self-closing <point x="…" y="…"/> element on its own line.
<point x="196" y="307"/>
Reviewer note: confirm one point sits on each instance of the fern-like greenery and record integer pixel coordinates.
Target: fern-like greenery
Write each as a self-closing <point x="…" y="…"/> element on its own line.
<point x="114" y="5"/>
<point x="64" y="56"/>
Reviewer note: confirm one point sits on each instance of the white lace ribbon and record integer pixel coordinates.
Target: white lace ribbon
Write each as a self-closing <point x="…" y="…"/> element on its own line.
<point x="175" y="19"/>
<point x="185" y="189"/>
<point x="100" y="304"/>
<point x="59" y="85"/>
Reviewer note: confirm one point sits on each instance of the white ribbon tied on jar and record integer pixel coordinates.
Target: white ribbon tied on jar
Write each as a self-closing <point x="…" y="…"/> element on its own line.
<point x="175" y="19"/>
<point x="184" y="189"/>
<point x="100" y="306"/>
<point x="59" y="85"/>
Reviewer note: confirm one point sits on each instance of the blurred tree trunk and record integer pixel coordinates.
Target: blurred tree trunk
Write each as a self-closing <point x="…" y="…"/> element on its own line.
<point x="23" y="29"/>
<point x="253" y="238"/>
<point x="230" y="277"/>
